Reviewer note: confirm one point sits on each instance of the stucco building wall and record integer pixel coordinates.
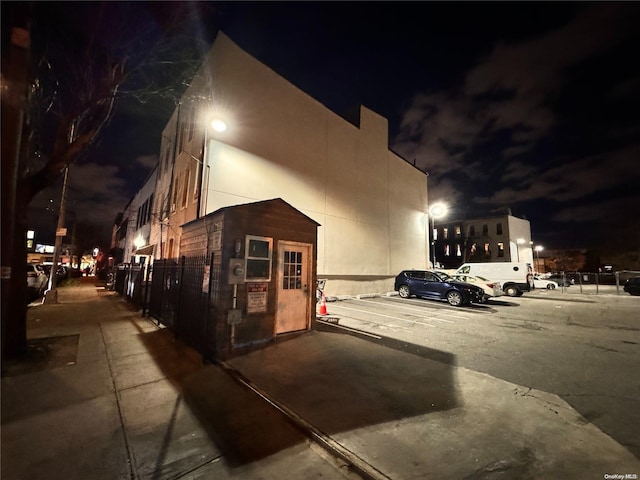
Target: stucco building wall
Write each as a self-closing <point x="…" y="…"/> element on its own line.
<point x="281" y="143"/>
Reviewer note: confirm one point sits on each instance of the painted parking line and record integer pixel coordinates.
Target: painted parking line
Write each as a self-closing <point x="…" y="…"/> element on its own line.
<point x="367" y="312"/>
<point x="420" y="309"/>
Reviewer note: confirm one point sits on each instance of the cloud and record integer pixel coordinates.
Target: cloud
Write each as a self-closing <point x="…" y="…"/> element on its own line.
<point x="147" y="161"/>
<point x="96" y="192"/>
<point x="437" y="131"/>
<point x="571" y="181"/>
<point x="497" y="130"/>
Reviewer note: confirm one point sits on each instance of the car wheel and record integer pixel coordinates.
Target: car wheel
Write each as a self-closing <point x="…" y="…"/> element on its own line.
<point x="511" y="291"/>
<point x="404" y="291"/>
<point x="455" y="298"/>
<point x="550" y="286"/>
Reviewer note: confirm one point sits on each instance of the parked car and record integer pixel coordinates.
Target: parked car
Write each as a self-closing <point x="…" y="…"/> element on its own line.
<point x="491" y="289"/>
<point x="437" y="285"/>
<point x="544" y="283"/>
<point x="37" y="280"/>
<point x="515" y="277"/>
<point x="632" y="286"/>
<point x="559" y="279"/>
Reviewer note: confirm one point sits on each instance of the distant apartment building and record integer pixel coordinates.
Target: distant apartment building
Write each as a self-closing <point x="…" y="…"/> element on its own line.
<point x="502" y="238"/>
<point x="132" y="229"/>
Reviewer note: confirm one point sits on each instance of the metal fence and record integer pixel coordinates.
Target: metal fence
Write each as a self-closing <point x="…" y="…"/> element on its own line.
<point x="594" y="283"/>
<point x="180" y="297"/>
<point x="129" y="282"/>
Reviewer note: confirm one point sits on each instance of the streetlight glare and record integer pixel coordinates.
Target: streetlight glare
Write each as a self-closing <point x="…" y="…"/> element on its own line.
<point x="218" y="125"/>
<point x="139" y="242"/>
<point x="438" y="210"/>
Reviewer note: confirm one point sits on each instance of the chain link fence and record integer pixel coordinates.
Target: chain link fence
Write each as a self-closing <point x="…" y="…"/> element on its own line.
<point x="594" y="283"/>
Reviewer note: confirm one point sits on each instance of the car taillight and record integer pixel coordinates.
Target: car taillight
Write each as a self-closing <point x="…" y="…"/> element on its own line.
<point x="491" y="285"/>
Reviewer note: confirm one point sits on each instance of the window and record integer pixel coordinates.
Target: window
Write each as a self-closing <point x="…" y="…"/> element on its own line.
<point x="458" y="231"/>
<point x="430" y="277"/>
<point x="447" y="251"/>
<point x="418" y="275"/>
<point x="485" y="229"/>
<point x="149" y="208"/>
<point x="185" y="189"/>
<point x="197" y="182"/>
<point x="472" y="230"/>
<point x="176" y="183"/>
<point x="500" y="249"/>
<point x="167" y="155"/>
<point x="292" y="278"/>
<point x="192" y="122"/>
<point x="258" y="252"/>
<point x="499" y="229"/>
<point x="458" y="250"/>
<point x="487" y="250"/>
<point x="445" y="233"/>
<point x="435" y="233"/>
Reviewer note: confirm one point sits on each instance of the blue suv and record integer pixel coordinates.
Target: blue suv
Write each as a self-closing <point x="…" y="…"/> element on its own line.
<point x="437" y="285"/>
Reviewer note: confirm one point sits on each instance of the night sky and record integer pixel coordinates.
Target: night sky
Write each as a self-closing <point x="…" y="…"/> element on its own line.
<point x="531" y="107"/>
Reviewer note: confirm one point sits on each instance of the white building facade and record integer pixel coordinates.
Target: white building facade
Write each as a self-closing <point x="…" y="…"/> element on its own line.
<point x="279" y="142"/>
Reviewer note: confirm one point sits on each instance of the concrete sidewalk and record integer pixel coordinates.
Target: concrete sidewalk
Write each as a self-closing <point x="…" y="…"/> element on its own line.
<point x="118" y="397"/>
<point x="106" y="394"/>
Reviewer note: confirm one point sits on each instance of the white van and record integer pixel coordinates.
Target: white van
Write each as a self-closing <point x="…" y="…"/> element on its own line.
<point x="515" y="277"/>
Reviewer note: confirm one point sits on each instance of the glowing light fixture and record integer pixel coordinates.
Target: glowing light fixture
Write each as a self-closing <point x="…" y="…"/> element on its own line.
<point x="437" y="210"/>
<point x="139" y="242"/>
<point x="219" y="125"/>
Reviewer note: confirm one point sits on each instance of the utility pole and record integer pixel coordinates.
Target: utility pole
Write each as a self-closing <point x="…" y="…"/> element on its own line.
<point x="51" y="295"/>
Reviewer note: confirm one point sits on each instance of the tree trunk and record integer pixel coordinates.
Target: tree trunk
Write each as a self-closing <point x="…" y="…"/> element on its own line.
<point x="14" y="255"/>
<point x="14" y="334"/>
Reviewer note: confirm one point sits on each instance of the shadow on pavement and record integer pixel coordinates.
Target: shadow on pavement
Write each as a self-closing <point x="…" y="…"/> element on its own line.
<point x="243" y="426"/>
<point x="339" y="382"/>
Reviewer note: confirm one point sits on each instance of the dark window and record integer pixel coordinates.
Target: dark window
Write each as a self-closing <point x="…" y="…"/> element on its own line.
<point x="485" y="230"/>
<point x="150" y="205"/>
<point x="472" y="230"/>
<point x="430" y="277"/>
<point x="499" y="228"/>
<point x="258" y="252"/>
<point x="418" y="275"/>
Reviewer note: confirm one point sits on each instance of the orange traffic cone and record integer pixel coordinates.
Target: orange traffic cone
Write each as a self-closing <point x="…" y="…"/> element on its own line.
<point x="323" y="305"/>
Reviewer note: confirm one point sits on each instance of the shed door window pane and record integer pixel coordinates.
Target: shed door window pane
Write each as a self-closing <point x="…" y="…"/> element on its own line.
<point x="292" y="278"/>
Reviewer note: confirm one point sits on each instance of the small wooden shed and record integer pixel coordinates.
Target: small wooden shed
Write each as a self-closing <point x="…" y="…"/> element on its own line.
<point x="262" y="281"/>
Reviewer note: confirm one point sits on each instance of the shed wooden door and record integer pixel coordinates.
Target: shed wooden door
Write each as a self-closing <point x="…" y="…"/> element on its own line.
<point x="294" y="287"/>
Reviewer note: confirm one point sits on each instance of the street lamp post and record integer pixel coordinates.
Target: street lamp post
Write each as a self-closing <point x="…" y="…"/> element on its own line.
<point x="51" y="294"/>
<point x="538" y="249"/>
<point x="437" y="210"/>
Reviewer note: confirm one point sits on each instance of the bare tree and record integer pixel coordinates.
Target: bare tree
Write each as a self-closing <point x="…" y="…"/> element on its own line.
<point x="81" y="65"/>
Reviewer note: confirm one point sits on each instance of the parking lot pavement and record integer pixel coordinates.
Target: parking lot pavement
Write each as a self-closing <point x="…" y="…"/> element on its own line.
<point x="582" y="348"/>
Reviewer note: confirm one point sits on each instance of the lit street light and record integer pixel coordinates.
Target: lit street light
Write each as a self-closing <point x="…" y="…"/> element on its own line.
<point x="219" y="125"/>
<point x="437" y="210"/>
<point x="538" y="249"/>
